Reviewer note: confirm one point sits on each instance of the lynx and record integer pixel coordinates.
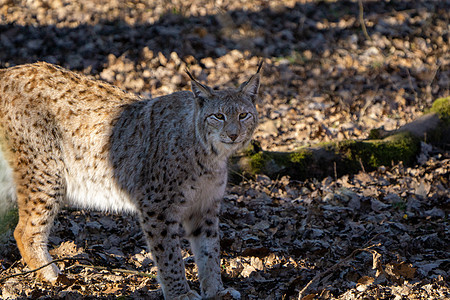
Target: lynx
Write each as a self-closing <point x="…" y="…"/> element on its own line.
<point x="72" y="140"/>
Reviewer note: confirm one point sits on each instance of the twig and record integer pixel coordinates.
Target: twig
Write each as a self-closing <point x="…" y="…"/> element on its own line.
<point x="239" y="174"/>
<point x="434" y="75"/>
<point x="334" y="267"/>
<point x="368" y="101"/>
<point x="43" y="266"/>
<point x="428" y="89"/>
<point x="79" y="265"/>
<point x="371" y="240"/>
<point x="143" y="274"/>
<point x="411" y="86"/>
<point x="362" y="165"/>
<point x="273" y="185"/>
<point x="335" y="170"/>
<point x="361" y="20"/>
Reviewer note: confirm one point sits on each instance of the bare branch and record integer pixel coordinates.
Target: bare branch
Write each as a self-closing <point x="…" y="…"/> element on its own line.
<point x="92" y="266"/>
<point x="361" y="20"/>
<point x="334" y="267"/>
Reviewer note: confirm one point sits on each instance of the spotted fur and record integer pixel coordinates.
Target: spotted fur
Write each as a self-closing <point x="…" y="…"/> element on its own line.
<point x="70" y="139"/>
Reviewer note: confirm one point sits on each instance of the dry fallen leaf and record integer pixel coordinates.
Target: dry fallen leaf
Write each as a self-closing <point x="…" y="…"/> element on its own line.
<point x="376" y="263"/>
<point x="364" y="282"/>
<point x="399" y="270"/>
<point x="309" y="297"/>
<point x="322" y="81"/>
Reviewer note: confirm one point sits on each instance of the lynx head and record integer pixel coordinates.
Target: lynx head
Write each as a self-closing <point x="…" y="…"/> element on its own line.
<point x="226" y="119"/>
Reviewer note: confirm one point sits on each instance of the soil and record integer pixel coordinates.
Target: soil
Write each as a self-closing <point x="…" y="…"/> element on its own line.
<point x="373" y="235"/>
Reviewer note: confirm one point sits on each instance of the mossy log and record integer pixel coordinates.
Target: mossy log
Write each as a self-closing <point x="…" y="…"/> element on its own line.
<point x="328" y="159"/>
<point x="347" y="157"/>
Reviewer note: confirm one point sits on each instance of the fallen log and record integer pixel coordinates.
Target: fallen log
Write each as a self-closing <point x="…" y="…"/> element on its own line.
<point x="383" y="148"/>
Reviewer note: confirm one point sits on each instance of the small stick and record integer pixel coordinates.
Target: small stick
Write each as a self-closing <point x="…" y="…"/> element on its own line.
<point x="434" y="75"/>
<point x="362" y="165"/>
<point x="273" y="185"/>
<point x="79" y="265"/>
<point x="334" y="267"/>
<point x="41" y="267"/>
<point x="143" y="274"/>
<point x="239" y="174"/>
<point x="361" y="20"/>
<point x="411" y="86"/>
<point x="335" y="170"/>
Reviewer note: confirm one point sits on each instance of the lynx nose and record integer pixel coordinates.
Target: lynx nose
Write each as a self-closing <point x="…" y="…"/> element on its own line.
<point x="233" y="136"/>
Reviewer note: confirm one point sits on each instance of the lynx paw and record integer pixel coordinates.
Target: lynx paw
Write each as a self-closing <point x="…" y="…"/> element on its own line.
<point x="49" y="273"/>
<point x="191" y="295"/>
<point x="229" y="293"/>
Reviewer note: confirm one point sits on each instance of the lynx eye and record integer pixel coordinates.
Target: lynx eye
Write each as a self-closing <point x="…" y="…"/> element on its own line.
<point x="219" y="116"/>
<point x="242" y="116"/>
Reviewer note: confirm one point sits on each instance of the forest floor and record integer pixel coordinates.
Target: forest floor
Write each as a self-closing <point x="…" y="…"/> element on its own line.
<point x="373" y="235"/>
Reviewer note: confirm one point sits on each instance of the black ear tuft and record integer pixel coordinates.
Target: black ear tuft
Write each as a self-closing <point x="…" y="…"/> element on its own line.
<point x="189" y="74"/>
<point x="259" y="66"/>
<point x="251" y="86"/>
<point x="201" y="92"/>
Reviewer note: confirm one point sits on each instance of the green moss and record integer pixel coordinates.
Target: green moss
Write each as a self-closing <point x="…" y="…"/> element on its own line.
<point x="258" y="162"/>
<point x="275" y="164"/>
<point x="8" y="222"/>
<point x="333" y="159"/>
<point x="441" y="106"/>
<point x="374" y="153"/>
<point x="374" y="134"/>
<point x="300" y="157"/>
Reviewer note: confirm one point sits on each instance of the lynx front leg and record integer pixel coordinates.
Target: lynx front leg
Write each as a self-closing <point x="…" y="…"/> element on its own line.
<point x="203" y="234"/>
<point x="162" y="234"/>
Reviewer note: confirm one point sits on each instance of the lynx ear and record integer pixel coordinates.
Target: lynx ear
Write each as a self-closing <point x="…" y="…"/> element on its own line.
<point x="251" y="86"/>
<point x="200" y="91"/>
